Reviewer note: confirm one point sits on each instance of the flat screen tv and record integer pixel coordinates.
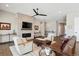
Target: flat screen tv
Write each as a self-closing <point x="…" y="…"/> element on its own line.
<point x="26" y="25"/>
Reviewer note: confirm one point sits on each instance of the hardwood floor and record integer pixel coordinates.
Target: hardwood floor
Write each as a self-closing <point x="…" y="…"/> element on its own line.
<point x="4" y="49"/>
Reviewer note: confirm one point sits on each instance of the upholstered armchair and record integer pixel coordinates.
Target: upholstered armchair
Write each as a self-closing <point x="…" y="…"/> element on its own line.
<point x="22" y="46"/>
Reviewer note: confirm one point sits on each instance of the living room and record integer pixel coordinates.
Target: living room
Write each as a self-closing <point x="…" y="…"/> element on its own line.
<point x="29" y="28"/>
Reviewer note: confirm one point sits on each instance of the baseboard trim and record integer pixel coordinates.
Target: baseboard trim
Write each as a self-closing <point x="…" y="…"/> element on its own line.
<point x="6" y="42"/>
<point x="77" y="41"/>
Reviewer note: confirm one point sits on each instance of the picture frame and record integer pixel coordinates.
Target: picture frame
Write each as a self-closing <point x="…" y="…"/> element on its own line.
<point x="36" y="27"/>
<point x="5" y="26"/>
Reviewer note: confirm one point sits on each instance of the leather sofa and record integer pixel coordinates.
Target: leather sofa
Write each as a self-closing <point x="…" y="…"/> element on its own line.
<point x="67" y="48"/>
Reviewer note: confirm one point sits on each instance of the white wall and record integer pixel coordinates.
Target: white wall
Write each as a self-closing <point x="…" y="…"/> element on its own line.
<point x="69" y="28"/>
<point x="72" y="24"/>
<point x="36" y="22"/>
<point x="8" y="17"/>
<point x="39" y="22"/>
<point x="51" y="26"/>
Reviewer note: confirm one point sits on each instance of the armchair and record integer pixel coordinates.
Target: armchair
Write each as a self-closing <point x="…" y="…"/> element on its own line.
<point x="22" y="46"/>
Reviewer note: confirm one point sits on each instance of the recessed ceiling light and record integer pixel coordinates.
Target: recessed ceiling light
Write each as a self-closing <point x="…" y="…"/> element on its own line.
<point x="59" y="11"/>
<point x="7" y="5"/>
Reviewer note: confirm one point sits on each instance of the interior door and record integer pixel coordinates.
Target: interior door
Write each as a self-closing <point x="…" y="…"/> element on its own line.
<point x="61" y="29"/>
<point x="76" y="27"/>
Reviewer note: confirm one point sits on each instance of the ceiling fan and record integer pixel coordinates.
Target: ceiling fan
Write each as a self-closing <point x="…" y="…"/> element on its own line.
<point x="36" y="13"/>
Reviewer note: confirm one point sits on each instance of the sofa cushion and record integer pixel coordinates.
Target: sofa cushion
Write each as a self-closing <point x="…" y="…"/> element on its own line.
<point x="69" y="49"/>
<point x="64" y="44"/>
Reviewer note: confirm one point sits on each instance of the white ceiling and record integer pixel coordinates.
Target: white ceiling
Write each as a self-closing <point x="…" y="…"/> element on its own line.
<point x="54" y="11"/>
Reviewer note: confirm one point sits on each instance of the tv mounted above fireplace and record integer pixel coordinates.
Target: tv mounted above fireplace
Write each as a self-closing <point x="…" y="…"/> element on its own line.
<point x="26" y="26"/>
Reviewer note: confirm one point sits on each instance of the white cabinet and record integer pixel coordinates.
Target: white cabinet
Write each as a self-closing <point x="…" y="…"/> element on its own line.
<point x="6" y="37"/>
<point x="42" y="28"/>
<point x="3" y="38"/>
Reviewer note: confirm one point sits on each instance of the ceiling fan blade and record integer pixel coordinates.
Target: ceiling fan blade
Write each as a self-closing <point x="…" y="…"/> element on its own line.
<point x="34" y="15"/>
<point x="42" y="14"/>
<point x="35" y="11"/>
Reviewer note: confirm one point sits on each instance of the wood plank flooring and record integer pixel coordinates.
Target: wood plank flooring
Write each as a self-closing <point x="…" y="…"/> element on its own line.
<point x="4" y="49"/>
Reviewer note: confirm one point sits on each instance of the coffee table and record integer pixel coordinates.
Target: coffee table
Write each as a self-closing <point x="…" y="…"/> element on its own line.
<point x="46" y="51"/>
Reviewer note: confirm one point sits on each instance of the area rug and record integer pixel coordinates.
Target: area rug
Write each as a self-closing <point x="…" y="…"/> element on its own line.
<point x="15" y="53"/>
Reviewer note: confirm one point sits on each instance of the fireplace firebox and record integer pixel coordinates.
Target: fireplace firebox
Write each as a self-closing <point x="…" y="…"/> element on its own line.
<point x="25" y="35"/>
